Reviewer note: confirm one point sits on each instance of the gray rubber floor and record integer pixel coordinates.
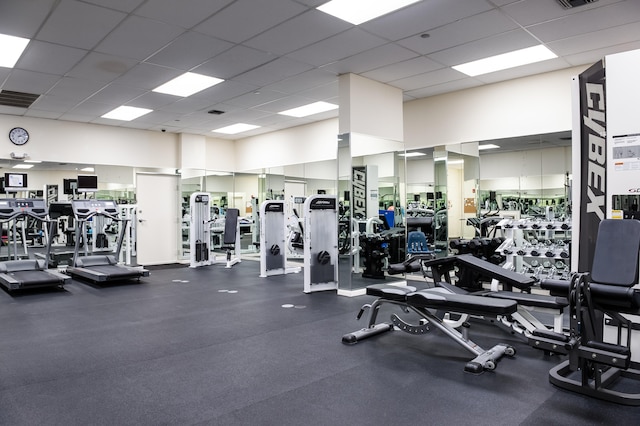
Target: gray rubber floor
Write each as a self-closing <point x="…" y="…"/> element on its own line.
<point x="216" y="346"/>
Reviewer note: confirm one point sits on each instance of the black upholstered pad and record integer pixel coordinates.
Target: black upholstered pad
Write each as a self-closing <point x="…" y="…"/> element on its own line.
<point x="490" y="270"/>
<point x="403" y="268"/>
<point x="390" y="292"/>
<point x="615" y="260"/>
<point x="464" y="304"/>
<point x="533" y="300"/>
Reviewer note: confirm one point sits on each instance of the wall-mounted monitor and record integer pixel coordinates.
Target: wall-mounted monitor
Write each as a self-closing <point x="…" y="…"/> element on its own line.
<point x="69" y="186"/>
<point x="15" y="182"/>
<point x="430" y="195"/>
<point x="87" y="183"/>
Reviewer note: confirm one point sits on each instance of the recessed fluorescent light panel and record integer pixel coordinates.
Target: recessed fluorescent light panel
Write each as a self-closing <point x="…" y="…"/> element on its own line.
<point x="235" y="128"/>
<point x="412" y="154"/>
<point x="487" y="146"/>
<point x="126" y="113"/>
<point x="23" y="166"/>
<point x="11" y="49"/>
<point x="359" y="11"/>
<point x="187" y="84"/>
<point x="87" y="169"/>
<point x="504" y="61"/>
<point x="306" y="110"/>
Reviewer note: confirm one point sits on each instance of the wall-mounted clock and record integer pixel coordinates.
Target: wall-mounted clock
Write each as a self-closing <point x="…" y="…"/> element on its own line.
<point x="19" y="135"/>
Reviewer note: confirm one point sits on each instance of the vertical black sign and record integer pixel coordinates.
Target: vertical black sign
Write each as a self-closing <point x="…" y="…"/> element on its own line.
<point x="359" y="185"/>
<point x="593" y="163"/>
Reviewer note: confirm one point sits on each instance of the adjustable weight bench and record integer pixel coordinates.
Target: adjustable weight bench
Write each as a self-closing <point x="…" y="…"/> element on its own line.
<point x="423" y="302"/>
<point x="597" y="363"/>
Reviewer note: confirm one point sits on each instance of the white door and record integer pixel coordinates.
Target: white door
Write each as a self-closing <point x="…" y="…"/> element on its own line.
<point x="157" y="215"/>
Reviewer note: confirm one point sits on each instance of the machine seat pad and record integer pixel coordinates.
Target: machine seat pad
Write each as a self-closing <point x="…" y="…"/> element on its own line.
<point x="463" y="304"/>
<point x="533" y="300"/>
<point x="21" y="265"/>
<point x="390" y="292"/>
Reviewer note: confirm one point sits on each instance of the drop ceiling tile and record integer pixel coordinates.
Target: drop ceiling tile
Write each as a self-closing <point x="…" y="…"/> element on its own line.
<point x="531" y="12"/>
<point x="338" y="47"/>
<point x="153" y="100"/>
<point x="253" y="99"/>
<point x="377" y="57"/>
<point x="505" y="42"/>
<point x="147" y="76"/>
<point x="189" y="50"/>
<point x="235" y="61"/>
<point x="244" y="19"/>
<point x="122" y="5"/>
<point x="460" y="32"/>
<point x="75" y="89"/>
<point x="49" y="58"/>
<point x="101" y="67"/>
<point x="54" y="103"/>
<point x="272" y="72"/>
<point x="49" y="115"/>
<point x="116" y="94"/>
<point x="92" y="108"/>
<point x="248" y="115"/>
<point x="404" y="69"/>
<point x="226" y="90"/>
<point x="188" y="105"/>
<point x="326" y="92"/>
<point x="423" y="16"/>
<point x="440" y="76"/>
<point x="303" y="81"/>
<point x="12" y="110"/>
<point x="438" y="89"/>
<point x="30" y="81"/>
<point x="600" y="18"/>
<point x="596" y="40"/>
<point x="138" y="38"/>
<point x="185" y="16"/>
<point x="283" y="104"/>
<point x="523" y="71"/>
<point x="23" y="18"/>
<point x="77" y="24"/>
<point x="310" y="27"/>
<point x="593" y="56"/>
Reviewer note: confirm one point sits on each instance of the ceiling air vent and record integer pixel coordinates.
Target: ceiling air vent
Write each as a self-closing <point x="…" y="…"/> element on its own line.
<point x="17" y="99"/>
<point x="215" y="112"/>
<point x="568" y="4"/>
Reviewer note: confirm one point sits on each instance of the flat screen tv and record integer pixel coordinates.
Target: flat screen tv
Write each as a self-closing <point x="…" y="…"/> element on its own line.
<point x="87" y="183"/>
<point x="15" y="181"/>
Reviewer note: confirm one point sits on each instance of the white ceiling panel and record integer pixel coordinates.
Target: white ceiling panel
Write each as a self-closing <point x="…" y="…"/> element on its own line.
<point x="303" y="81"/>
<point x="30" y="81"/>
<point x="185" y="15"/>
<point x="116" y="94"/>
<point x="147" y="76"/>
<point x="23" y="18"/>
<point x="284" y="104"/>
<point x="285" y="50"/>
<point x="338" y="47"/>
<point x="121" y="5"/>
<point x="584" y="22"/>
<point x="424" y="16"/>
<point x="101" y="67"/>
<point x="50" y="58"/>
<point x="138" y="38"/>
<point x="189" y="50"/>
<point x="460" y="32"/>
<point x="234" y="61"/>
<point x="310" y="27"/>
<point x="77" y="24"/>
<point x="503" y="43"/>
<point x="404" y="69"/>
<point x="244" y="19"/>
<point x="273" y="71"/>
<point x="377" y="57"/>
<point x="532" y="12"/>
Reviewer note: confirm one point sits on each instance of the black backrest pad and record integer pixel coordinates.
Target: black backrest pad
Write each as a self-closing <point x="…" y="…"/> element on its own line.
<point x="490" y="270"/>
<point x="615" y="259"/>
<point x="231" y="226"/>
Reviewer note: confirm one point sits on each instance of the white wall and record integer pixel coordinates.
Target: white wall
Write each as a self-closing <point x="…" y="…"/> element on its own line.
<point x="535" y="162"/>
<point x="524" y="106"/>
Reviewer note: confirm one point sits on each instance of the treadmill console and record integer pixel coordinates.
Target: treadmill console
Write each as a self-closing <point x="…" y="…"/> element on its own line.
<point x="86" y="208"/>
<point x="12" y="207"/>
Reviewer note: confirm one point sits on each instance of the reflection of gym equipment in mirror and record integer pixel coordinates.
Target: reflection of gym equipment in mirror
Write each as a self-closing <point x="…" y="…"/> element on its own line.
<point x="99" y="263"/>
<point x="320" y="243"/>
<point x="273" y="236"/>
<point x="204" y="232"/>
<point x="18" y="272"/>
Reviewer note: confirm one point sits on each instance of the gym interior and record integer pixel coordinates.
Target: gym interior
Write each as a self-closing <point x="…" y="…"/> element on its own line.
<point x="434" y="245"/>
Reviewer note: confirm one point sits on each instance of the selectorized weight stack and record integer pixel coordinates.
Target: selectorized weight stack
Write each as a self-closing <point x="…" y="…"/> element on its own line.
<point x="320" y="243"/>
<point x="199" y="229"/>
<point x="273" y="256"/>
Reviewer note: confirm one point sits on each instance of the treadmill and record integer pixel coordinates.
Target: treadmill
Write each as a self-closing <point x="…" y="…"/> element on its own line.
<point x="99" y="267"/>
<point x="17" y="273"/>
